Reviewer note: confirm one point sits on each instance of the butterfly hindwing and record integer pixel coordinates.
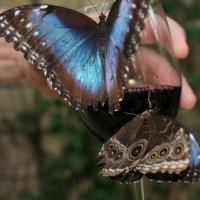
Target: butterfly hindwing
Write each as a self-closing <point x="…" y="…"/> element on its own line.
<point x="153" y="145"/>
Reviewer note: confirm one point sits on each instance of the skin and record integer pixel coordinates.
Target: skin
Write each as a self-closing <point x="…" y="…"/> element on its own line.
<point x="188" y="99"/>
<point x="14" y="66"/>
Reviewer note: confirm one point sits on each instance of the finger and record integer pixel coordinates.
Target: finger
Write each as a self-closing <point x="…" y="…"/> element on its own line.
<point x="37" y="79"/>
<point x="188" y="99"/>
<point x="10" y="62"/>
<point x="155" y="68"/>
<point x="13" y="66"/>
<point x="173" y="38"/>
<point x="178" y="39"/>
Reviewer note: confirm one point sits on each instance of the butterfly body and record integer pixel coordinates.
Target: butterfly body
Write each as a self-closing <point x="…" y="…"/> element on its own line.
<point x="83" y="60"/>
<point x="153" y="145"/>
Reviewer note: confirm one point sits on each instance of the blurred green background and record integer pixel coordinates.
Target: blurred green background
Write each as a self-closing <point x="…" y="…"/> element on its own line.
<point x="46" y="153"/>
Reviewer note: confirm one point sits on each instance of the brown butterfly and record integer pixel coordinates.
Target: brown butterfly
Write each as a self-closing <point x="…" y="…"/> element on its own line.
<point x="153" y="145"/>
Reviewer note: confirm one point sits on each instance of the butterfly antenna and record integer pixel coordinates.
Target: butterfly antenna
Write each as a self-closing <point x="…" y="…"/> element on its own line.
<point x="128" y="113"/>
<point x="94" y="6"/>
<point x="107" y="10"/>
<point x="149" y="95"/>
<point x="105" y="2"/>
<point x="152" y="104"/>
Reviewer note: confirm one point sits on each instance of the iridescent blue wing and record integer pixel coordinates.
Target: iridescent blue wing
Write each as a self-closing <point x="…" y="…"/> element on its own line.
<point x="192" y="173"/>
<point x="63" y="43"/>
<point x="125" y="25"/>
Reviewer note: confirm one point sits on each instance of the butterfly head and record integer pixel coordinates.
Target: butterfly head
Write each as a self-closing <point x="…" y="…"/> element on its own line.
<point x="102" y="17"/>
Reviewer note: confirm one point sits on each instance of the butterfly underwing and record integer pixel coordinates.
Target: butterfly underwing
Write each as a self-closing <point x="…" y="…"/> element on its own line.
<point x="85" y="61"/>
<point x="154" y="145"/>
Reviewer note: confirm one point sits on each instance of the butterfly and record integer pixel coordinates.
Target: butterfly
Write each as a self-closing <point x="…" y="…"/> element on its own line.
<point x="85" y="61"/>
<point x="154" y="145"/>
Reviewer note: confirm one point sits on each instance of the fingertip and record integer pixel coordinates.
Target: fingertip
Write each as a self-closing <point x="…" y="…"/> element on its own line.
<point x="188" y="98"/>
<point x="181" y="49"/>
<point x="187" y="102"/>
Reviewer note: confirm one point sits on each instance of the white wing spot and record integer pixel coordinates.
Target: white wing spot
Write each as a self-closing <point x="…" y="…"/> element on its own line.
<point x="1" y="18"/>
<point x="2" y="25"/>
<point x="28" y="25"/>
<point x="23" y="48"/>
<point x="34" y="56"/>
<point x="22" y="20"/>
<point x="133" y="5"/>
<point x="18" y="35"/>
<point x="41" y="64"/>
<point x="181" y="130"/>
<point x="137" y="28"/>
<point x="15" y="39"/>
<point x="45" y="72"/>
<point x="43" y="6"/>
<point x="17" y="12"/>
<point x="8" y="32"/>
<point x="36" y="33"/>
<point x="11" y="28"/>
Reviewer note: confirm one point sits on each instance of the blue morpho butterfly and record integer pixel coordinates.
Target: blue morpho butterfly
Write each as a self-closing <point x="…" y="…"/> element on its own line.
<point x="154" y="145"/>
<point x="85" y="61"/>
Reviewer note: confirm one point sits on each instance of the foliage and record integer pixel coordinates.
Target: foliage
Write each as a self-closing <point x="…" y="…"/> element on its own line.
<point x="73" y="174"/>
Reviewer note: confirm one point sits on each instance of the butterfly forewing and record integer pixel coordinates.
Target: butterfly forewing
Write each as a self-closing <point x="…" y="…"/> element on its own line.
<point x="126" y="22"/>
<point x="62" y="42"/>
